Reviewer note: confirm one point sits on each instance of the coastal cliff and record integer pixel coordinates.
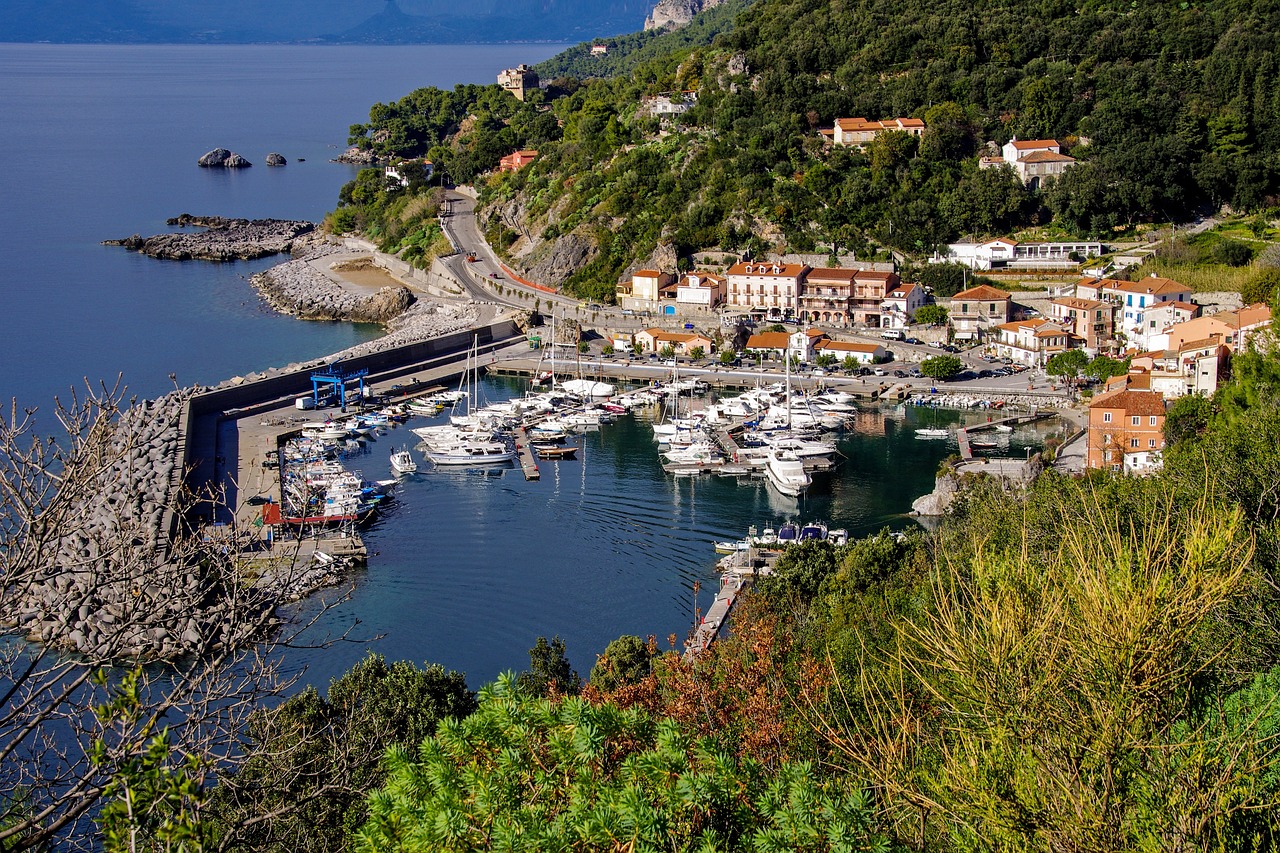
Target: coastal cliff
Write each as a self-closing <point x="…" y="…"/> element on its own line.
<point x="671" y="14"/>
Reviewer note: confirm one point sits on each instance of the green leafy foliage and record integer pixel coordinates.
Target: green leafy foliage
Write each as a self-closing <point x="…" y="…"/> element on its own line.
<point x="312" y="760"/>
<point x="532" y="774"/>
<point x="626" y="660"/>
<point x="1067" y="365"/>
<point x="932" y="315"/>
<point x="549" y="673"/>
<point x="941" y="367"/>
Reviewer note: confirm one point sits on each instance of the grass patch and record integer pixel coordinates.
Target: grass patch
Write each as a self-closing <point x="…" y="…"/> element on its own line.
<point x="1201" y="278"/>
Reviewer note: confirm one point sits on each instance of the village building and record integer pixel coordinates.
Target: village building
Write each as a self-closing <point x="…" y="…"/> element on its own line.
<point x="648" y="285"/>
<point x="858" y="132"/>
<point x="517" y="160"/>
<point x="599" y="49"/>
<point x="1126" y="431"/>
<point x="682" y="343"/>
<point x="845" y="297"/>
<point x="977" y="310"/>
<point x="704" y="290"/>
<point x="768" y="344"/>
<point x="669" y="103"/>
<point x="399" y="172"/>
<point x="519" y="80"/>
<point x="1233" y="327"/>
<point x="1153" y="334"/>
<point x="860" y="352"/>
<point x="1033" y="160"/>
<point x="1003" y="253"/>
<point x="1090" y="320"/>
<point x="1032" y="342"/>
<point x="900" y="304"/>
<point x="771" y="288"/>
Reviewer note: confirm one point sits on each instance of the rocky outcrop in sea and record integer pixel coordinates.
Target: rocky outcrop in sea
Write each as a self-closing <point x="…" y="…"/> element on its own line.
<point x="274" y="159"/>
<point x="222" y="240"/>
<point x="357" y="156"/>
<point x="222" y="158"/>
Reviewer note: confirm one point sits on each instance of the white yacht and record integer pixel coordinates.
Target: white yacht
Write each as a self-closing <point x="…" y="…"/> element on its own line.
<point x="402" y="461"/>
<point x="786" y="472"/>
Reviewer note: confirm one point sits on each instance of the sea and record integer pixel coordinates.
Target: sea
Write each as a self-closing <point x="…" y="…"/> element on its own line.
<point x="467" y="568"/>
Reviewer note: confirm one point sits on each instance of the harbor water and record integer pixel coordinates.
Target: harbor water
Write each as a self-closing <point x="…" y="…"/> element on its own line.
<point x="467" y="568"/>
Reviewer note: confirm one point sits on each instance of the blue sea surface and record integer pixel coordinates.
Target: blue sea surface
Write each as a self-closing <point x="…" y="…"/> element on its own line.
<point x="103" y="142"/>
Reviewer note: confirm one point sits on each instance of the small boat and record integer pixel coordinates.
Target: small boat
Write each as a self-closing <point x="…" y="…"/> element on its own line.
<point x="788" y="533"/>
<point x="932" y="432"/>
<point x="813" y="530"/>
<point x="838" y="537"/>
<point x="555" y="451"/>
<point x="402" y="462"/>
<point x="768" y="536"/>
<point x="1003" y="428"/>
<point x="732" y="547"/>
<point x="983" y="444"/>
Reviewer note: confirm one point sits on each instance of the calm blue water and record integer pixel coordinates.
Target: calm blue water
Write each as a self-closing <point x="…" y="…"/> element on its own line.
<point x="102" y="142"/>
<point x="469" y="568"/>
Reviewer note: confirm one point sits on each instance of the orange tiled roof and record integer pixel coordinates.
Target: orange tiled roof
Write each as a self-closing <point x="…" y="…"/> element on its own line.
<point x="1131" y="402"/>
<point x="1046" y="157"/>
<point x="980" y="293"/>
<point x="1033" y="144"/>
<point x="766" y="268"/>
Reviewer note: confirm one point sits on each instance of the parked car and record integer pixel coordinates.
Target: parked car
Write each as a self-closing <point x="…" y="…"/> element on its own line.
<point x="879" y="371"/>
<point x="901" y="374"/>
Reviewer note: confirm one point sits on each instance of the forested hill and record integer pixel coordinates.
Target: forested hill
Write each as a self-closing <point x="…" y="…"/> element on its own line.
<point x="628" y="51"/>
<point x="1170" y="109"/>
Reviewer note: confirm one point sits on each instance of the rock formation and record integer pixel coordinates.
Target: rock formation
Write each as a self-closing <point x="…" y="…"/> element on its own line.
<point x="223" y="239"/>
<point x="221" y="157"/>
<point x="357" y="156"/>
<point x="672" y="14"/>
<point x="274" y="159"/>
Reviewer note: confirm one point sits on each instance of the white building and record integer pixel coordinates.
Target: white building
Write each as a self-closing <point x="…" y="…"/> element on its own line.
<point x="861" y="353"/>
<point x="1032" y="159"/>
<point x="701" y="290"/>
<point x="900" y="305"/>
<point x="767" y="286"/>
<point x="1005" y="253"/>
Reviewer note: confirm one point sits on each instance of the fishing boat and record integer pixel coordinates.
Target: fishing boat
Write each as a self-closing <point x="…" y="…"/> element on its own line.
<point x="555" y="451"/>
<point x="815" y="530"/>
<point x="402" y="461"/>
<point x="932" y="432"/>
<point x="732" y="547"/>
<point x="1003" y="428"/>
<point x="788" y="533"/>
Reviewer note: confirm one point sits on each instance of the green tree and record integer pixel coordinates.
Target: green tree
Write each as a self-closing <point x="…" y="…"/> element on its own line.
<point x="932" y="315"/>
<point x="697" y="353"/>
<point x="1103" y="367"/>
<point x="667" y="351"/>
<point x="624" y="661"/>
<point x="1262" y="287"/>
<point x="850" y="364"/>
<point x="1067" y="365"/>
<point x="529" y="774"/>
<point x="727" y="356"/>
<point x="549" y="673"/>
<point x="943" y="279"/>
<point x="941" y="367"/>
<point x="313" y="759"/>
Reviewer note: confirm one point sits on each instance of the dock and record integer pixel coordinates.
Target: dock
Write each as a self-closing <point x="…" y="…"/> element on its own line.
<point x="528" y="465"/>
<point x="709" y="628"/>
<point x="962" y="435"/>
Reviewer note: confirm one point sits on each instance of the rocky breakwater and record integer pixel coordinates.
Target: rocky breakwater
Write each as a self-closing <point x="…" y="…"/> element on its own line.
<point x="222" y="240"/>
<point x="96" y="573"/>
<point x="297" y="287"/>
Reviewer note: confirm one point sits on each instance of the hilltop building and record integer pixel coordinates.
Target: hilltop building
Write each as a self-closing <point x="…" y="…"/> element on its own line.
<point x="519" y="80"/>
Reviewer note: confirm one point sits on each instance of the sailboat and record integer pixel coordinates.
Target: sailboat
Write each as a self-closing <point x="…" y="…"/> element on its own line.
<point x="933" y="431"/>
<point x="471" y="443"/>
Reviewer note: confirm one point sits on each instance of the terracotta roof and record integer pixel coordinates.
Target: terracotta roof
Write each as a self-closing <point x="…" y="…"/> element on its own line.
<point x="1001" y="240"/>
<point x="766" y="268"/>
<point x="1032" y="144"/>
<point x="831" y="274"/>
<point x="902" y="291"/>
<point x="704" y="277"/>
<point x="1076" y="302"/>
<point x="1252" y="315"/>
<point x="1045" y="157"/>
<point x="1203" y="343"/>
<point x="647" y="273"/>
<point x="980" y="293"/>
<point x="1185" y="306"/>
<point x="1150" y="284"/>
<point x="875" y="274"/>
<point x="1131" y="402"/>
<point x="848" y="346"/>
<point x="1022" y="324"/>
<point x="815" y="333"/>
<point x="769" y="340"/>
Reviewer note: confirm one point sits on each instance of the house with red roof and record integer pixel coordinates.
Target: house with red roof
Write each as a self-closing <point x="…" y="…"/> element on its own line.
<point x="771" y="287"/>
<point x="1126" y="431"/>
<point x="1090" y="320"/>
<point x="977" y="310"/>
<point x="1032" y="159"/>
<point x="858" y="132"/>
<point x="900" y="305"/>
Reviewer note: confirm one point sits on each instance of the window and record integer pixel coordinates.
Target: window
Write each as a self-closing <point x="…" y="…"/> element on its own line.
<point x="993" y="308"/>
<point x="1151" y="442"/>
<point x="964" y="307"/>
<point x="1129" y="300"/>
<point x="1135" y="420"/>
<point x="1106" y="456"/>
<point x="1133" y="442"/>
<point x="1151" y="421"/>
<point x="1106" y="417"/>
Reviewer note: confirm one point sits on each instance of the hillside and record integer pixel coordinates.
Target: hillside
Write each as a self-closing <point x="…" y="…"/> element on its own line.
<point x="1170" y="111"/>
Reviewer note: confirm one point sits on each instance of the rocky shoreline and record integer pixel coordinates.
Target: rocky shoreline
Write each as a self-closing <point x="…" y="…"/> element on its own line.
<point x="222" y="240"/>
<point x="107" y="586"/>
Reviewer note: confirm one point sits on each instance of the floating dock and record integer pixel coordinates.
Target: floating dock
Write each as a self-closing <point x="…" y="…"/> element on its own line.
<point x="528" y="465"/>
